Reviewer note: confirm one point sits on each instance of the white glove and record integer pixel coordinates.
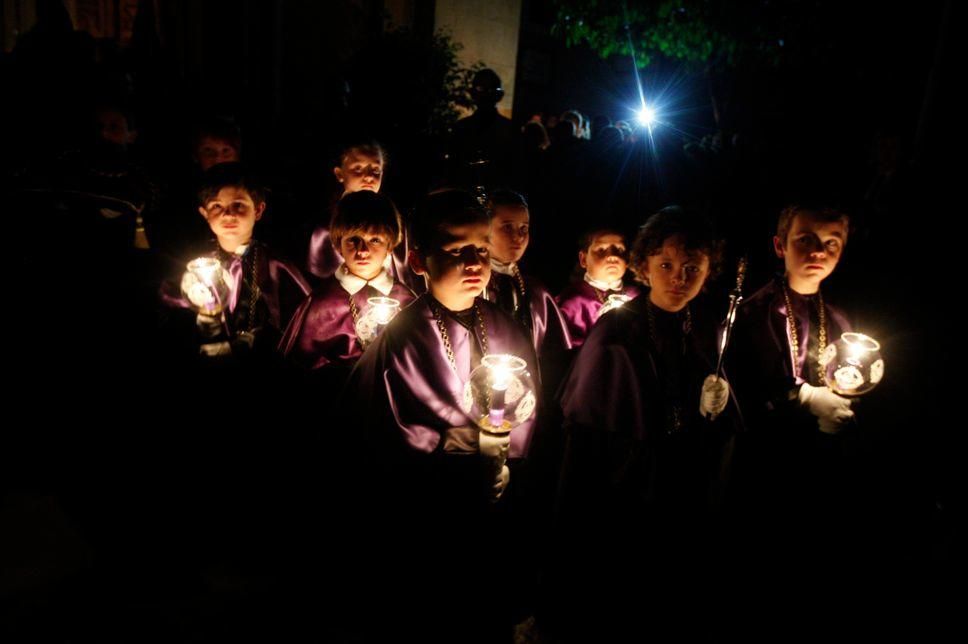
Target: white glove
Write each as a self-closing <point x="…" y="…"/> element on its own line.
<point x="831" y="410"/>
<point x="715" y="395"/>
<point x="500" y="483"/>
<point x="494" y="447"/>
<point x="208" y="326"/>
<point x="215" y="349"/>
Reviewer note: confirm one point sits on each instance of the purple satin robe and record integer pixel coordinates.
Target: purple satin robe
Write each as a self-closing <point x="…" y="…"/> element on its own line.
<point x="759" y="358"/>
<point x="785" y="467"/>
<point x="631" y="411"/>
<point x="548" y="329"/>
<point x="407" y="388"/>
<point x="323" y="331"/>
<point x="580" y="304"/>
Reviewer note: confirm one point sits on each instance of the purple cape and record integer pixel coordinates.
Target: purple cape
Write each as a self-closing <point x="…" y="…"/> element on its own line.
<point x="548" y="329"/>
<point x="759" y="351"/>
<point x="624" y="450"/>
<point x="406" y="388"/>
<point x="580" y="303"/>
<point x="322" y="330"/>
<point x="282" y="287"/>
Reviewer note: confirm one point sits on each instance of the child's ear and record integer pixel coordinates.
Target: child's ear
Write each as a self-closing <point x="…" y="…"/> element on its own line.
<point x="202" y="212"/>
<point x="259" y="209"/>
<point x="778" y="246"/>
<point x="338" y="173"/>
<point x="582" y="259"/>
<point x="416" y="263"/>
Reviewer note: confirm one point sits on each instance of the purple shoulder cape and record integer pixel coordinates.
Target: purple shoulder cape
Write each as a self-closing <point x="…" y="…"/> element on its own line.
<point x="580" y="304"/>
<point x="759" y="360"/>
<point x="323" y="331"/>
<point x="281" y="284"/>
<point x="406" y="387"/>
<point x="547" y="326"/>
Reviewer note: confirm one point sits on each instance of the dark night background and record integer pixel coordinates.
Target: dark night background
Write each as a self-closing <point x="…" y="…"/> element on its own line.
<point x="101" y="455"/>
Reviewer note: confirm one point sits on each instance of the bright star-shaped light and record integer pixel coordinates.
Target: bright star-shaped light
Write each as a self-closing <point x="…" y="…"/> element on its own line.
<point x="646" y="116"/>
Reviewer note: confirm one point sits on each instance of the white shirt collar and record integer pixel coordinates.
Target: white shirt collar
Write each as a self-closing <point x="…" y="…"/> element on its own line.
<point x="615" y="285"/>
<point x="502" y="268"/>
<point x="352" y="284"/>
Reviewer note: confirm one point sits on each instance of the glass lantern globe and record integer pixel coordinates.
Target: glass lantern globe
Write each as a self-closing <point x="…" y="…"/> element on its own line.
<point x="205" y="286"/>
<point x="614" y="301"/>
<point x="500" y="393"/>
<point x="853" y="364"/>
<point x="375" y="318"/>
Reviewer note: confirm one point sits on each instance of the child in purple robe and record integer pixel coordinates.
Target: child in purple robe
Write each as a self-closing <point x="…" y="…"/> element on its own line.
<point x="246" y="483"/>
<point x="430" y="469"/>
<point x="359" y="167"/>
<point x="604" y="257"/>
<point x="645" y="438"/>
<point x="524" y="297"/>
<point x="366" y="228"/>
<point x="263" y="289"/>
<point x="786" y="460"/>
<point x="527" y="300"/>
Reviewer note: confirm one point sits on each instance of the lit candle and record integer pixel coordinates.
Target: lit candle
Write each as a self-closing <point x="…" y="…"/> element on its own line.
<point x="378" y="313"/>
<point x="384" y="309"/>
<point x="614" y="301"/>
<point x="203" y="291"/>
<point x="499" y="386"/>
<point x="503" y="371"/>
<point x="853" y="365"/>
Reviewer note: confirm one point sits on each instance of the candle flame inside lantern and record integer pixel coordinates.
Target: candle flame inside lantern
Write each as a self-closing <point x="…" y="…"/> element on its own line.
<point x="853" y="365"/>
<point x="614" y="301"/>
<point x="858" y="346"/>
<point x="384" y="308"/>
<point x="502" y="368"/>
<point x="203" y="289"/>
<point x="206" y="269"/>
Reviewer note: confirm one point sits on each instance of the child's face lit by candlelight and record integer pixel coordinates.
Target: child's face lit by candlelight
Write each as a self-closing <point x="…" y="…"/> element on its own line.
<point x="232" y="215"/>
<point x="458" y="268"/>
<point x="675" y="275"/>
<point x="811" y="251"/>
<point x="360" y="170"/>
<point x="605" y="259"/>
<point x="510" y="233"/>
<point x="364" y="252"/>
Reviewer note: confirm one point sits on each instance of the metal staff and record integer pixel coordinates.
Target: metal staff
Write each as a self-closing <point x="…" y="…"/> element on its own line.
<point x="478" y="167"/>
<point x="735" y="297"/>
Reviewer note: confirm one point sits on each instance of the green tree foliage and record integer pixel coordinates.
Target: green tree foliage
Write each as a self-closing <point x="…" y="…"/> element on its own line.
<point x="699" y="33"/>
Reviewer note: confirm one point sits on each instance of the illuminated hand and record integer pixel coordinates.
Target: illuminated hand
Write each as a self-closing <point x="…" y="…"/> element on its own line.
<point x="215" y="349"/>
<point x="208" y="326"/>
<point x="495" y="446"/>
<point x="500" y="483"/>
<point x="832" y="411"/>
<point x="715" y="395"/>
